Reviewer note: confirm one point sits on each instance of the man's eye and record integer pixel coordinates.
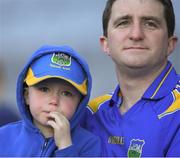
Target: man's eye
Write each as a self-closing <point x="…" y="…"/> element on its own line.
<point x="150" y="25"/>
<point x="123" y="23"/>
<point x="66" y="93"/>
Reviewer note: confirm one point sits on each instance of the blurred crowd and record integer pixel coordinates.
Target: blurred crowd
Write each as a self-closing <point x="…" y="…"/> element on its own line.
<point x="7" y="113"/>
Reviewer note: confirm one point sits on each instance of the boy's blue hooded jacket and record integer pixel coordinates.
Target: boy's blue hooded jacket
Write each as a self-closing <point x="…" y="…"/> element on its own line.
<point x="22" y="138"/>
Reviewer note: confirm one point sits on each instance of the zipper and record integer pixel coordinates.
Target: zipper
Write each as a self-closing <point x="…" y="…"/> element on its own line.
<point x="44" y="147"/>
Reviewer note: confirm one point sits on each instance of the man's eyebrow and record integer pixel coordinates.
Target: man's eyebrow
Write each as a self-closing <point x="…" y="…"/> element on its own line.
<point x="157" y="20"/>
<point x="128" y="17"/>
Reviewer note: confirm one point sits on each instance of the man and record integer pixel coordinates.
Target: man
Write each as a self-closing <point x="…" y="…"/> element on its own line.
<point x="142" y="116"/>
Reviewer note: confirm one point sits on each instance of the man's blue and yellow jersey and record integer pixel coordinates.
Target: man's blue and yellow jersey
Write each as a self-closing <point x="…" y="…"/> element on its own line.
<point x="151" y="127"/>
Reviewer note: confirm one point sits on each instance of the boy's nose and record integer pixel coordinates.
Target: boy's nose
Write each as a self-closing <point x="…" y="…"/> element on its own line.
<point x="54" y="99"/>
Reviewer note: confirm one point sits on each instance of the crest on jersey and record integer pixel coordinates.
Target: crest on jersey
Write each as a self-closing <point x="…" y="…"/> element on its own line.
<point x="135" y="148"/>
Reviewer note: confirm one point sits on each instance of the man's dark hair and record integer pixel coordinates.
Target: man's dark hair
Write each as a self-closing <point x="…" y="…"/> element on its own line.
<point x="168" y="14"/>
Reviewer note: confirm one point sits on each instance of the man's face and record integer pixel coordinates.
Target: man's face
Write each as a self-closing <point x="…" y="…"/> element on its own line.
<point x="137" y="35"/>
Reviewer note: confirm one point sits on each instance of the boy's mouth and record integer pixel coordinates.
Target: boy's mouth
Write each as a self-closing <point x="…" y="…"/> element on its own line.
<point x="50" y="118"/>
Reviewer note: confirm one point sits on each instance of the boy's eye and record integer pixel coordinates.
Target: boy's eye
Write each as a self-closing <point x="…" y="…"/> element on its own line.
<point x="67" y="93"/>
<point x="43" y="89"/>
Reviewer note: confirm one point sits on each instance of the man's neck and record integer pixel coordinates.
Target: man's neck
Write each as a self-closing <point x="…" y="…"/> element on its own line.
<point x="133" y="88"/>
<point x="132" y="91"/>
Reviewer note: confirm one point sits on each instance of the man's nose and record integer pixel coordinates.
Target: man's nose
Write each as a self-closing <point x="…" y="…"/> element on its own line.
<point x="136" y="32"/>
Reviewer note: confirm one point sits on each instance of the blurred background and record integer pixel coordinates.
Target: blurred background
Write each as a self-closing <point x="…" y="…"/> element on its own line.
<point x="25" y="25"/>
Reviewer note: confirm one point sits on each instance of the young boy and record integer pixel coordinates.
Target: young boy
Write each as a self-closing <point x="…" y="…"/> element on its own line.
<point x="52" y="92"/>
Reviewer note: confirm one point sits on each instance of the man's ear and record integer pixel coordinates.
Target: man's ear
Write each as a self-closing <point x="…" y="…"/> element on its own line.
<point x="171" y="44"/>
<point x="26" y="95"/>
<point x="104" y="45"/>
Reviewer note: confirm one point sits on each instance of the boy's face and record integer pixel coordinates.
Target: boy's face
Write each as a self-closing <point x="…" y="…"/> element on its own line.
<point x="51" y="95"/>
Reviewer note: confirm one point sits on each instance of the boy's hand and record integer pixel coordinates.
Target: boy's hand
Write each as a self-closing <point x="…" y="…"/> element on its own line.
<point x="62" y="134"/>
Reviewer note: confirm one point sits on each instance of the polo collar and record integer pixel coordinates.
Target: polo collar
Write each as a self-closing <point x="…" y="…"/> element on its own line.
<point x="161" y="86"/>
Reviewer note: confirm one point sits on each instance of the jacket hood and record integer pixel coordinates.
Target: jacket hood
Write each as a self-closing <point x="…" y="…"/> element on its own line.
<point x="45" y="50"/>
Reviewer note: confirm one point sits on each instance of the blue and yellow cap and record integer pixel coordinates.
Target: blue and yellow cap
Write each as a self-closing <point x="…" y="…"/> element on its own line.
<point x="57" y="65"/>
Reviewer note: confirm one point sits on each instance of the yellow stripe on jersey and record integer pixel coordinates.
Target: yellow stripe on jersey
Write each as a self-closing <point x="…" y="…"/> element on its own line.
<point x="161" y="82"/>
<point x="94" y="103"/>
<point x="174" y="107"/>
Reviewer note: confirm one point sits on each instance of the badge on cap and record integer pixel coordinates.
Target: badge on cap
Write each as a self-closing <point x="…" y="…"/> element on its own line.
<point x="61" y="59"/>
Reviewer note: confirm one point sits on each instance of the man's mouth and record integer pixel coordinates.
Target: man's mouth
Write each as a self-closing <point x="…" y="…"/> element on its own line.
<point x="135" y="47"/>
